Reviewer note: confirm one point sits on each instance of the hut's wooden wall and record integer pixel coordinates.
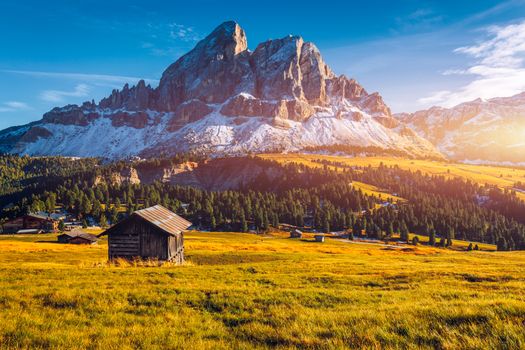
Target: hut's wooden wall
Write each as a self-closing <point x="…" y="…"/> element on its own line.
<point x="137" y="238"/>
<point x="153" y="243"/>
<point x="176" y="248"/>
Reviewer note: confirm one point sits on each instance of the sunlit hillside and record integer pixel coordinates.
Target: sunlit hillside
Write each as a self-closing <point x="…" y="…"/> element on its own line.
<point x="504" y="177"/>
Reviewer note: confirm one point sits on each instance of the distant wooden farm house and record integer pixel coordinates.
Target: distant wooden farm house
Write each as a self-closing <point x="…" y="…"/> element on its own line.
<point x="151" y="233"/>
<point x="295" y="233"/>
<point x="36" y="223"/>
<point x="77" y="236"/>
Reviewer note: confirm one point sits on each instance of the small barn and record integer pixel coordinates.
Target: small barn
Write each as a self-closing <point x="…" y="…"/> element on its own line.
<point x="151" y="233"/>
<point x="30" y="222"/>
<point x="295" y="233"/>
<point x="77" y="236"/>
<point x="84" y="238"/>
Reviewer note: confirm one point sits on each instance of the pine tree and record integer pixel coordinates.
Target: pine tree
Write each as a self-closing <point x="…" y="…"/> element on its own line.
<point x="213" y="223"/>
<point x="403" y="232"/>
<point x="432" y="237"/>
<point x="390" y="231"/>
<point x="103" y="221"/>
<point x="450" y="235"/>
<point x="326" y="225"/>
<point x="113" y="215"/>
<point x="244" y="223"/>
<point x="356" y="229"/>
<point x="265" y="223"/>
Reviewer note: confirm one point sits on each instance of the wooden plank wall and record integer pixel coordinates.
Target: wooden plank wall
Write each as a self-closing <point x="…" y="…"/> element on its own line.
<point x="137" y="238"/>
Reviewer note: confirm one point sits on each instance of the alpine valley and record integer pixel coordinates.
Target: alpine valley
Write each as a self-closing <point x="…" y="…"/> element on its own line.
<point x="223" y="99"/>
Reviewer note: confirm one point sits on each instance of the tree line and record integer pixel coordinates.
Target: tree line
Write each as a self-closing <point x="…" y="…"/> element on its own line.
<point x="317" y="198"/>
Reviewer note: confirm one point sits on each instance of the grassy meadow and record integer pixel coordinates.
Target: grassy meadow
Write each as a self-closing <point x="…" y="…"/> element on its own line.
<point x="502" y="177"/>
<point x="247" y="291"/>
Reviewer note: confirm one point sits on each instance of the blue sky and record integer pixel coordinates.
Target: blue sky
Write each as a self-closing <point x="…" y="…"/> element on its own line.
<point x="415" y="53"/>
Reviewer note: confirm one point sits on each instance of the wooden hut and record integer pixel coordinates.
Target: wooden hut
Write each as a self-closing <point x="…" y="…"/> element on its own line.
<point x="30" y="222"/>
<point x="84" y="238"/>
<point x="151" y="233"/>
<point x="295" y="233"/>
<point x="77" y="236"/>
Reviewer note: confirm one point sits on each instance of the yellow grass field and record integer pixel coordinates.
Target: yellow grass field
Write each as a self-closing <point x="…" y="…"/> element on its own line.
<point x="372" y="190"/>
<point x="458" y="244"/>
<point x="246" y="291"/>
<point x="502" y="177"/>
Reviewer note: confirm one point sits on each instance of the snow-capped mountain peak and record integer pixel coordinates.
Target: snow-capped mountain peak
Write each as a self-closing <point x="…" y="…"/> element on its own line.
<point x="222" y="98"/>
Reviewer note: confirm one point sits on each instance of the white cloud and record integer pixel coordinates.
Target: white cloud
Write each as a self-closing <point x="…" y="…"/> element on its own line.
<point x="498" y="69"/>
<point x="81" y="90"/>
<point x="436" y="97"/>
<point x="169" y="39"/>
<point x="183" y="33"/>
<point x="14" y="106"/>
<point x="423" y="18"/>
<point x="119" y="79"/>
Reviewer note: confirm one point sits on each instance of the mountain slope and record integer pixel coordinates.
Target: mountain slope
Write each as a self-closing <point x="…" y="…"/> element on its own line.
<point x="490" y="131"/>
<point x="221" y="98"/>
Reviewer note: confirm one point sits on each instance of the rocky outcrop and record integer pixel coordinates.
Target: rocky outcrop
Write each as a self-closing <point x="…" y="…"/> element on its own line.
<point x="249" y="106"/>
<point x="137" y="120"/>
<point x="374" y="104"/>
<point x="212" y="72"/>
<point x="35" y="133"/>
<point x="290" y="68"/>
<point x="299" y="110"/>
<point x="242" y="105"/>
<point x="387" y="122"/>
<point x="137" y="98"/>
<point x="71" y="115"/>
<point x="188" y="112"/>
<point x="343" y="88"/>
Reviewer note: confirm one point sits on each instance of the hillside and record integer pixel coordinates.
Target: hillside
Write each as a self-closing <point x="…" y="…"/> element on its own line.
<point x="223" y="99"/>
<point x="503" y="177"/>
<point x="480" y="131"/>
<point x="324" y="194"/>
<point x="248" y="291"/>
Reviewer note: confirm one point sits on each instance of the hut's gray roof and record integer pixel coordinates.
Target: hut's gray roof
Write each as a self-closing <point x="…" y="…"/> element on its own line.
<point x="87" y="236"/>
<point x="80" y="233"/>
<point x="164" y="219"/>
<point x="158" y="216"/>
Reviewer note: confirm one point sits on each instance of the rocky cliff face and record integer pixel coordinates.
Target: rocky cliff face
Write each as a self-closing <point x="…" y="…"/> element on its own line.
<point x="481" y="131"/>
<point x="223" y="98"/>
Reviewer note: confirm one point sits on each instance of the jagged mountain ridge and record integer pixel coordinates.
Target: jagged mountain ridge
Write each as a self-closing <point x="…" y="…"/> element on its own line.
<point x="221" y="98"/>
<point x="479" y="131"/>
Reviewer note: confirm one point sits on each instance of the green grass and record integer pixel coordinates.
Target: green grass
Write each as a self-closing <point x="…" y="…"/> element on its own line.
<point x="246" y="291"/>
